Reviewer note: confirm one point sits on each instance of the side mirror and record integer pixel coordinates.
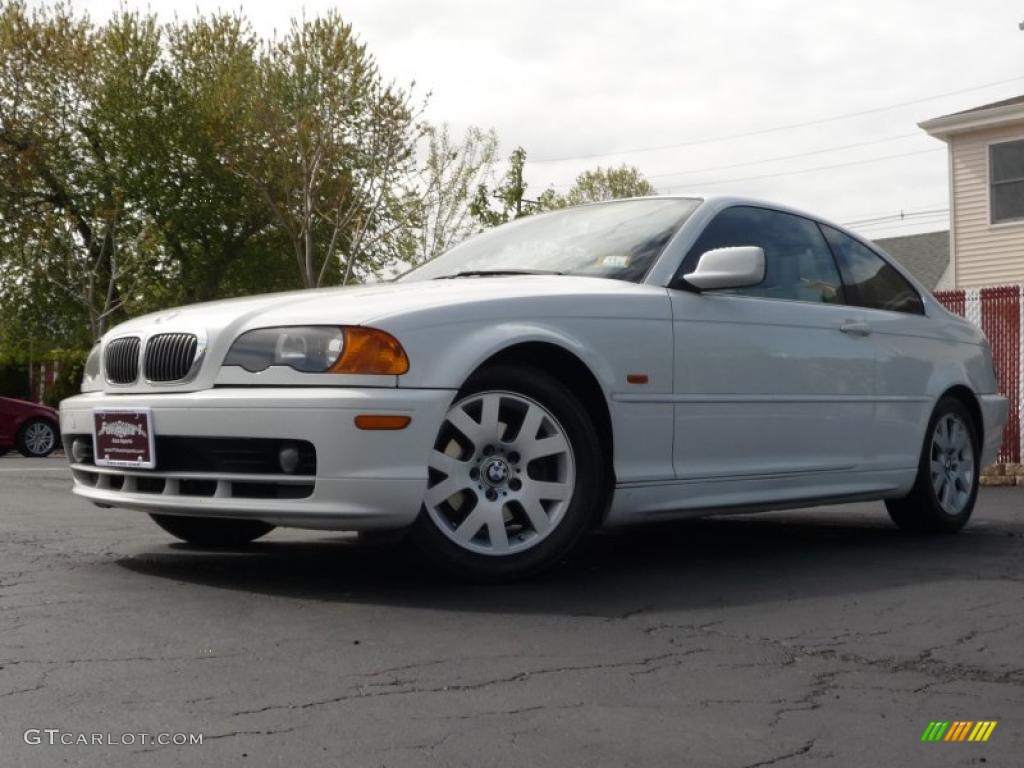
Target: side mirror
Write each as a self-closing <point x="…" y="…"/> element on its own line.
<point x="737" y="267"/>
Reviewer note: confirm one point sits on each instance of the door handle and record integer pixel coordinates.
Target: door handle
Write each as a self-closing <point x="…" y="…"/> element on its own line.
<point x="855" y="327"/>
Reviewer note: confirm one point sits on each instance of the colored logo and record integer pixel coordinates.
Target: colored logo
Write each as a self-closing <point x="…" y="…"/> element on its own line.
<point x="959" y="730"/>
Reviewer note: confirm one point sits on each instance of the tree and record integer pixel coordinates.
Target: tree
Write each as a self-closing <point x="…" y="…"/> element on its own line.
<point x="331" y="150"/>
<point x="146" y="165"/>
<point x="510" y="195"/>
<point x="212" y="231"/>
<point x="452" y="170"/>
<point x="64" y="211"/>
<point x="599" y="184"/>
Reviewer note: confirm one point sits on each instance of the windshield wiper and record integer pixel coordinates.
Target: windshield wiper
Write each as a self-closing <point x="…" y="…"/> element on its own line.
<point x="497" y="273"/>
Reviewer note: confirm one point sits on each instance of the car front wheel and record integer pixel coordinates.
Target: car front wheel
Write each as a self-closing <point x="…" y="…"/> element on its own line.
<point x="212" y="531"/>
<point x="515" y="477"/>
<point x="37" y="439"/>
<point x="946" y="488"/>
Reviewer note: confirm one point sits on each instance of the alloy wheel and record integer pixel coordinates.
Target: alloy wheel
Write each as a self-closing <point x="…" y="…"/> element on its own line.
<point x="39" y="438"/>
<point x="501" y="474"/>
<point x="952" y="464"/>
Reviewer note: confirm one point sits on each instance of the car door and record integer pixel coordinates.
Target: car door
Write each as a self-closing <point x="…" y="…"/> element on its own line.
<point x="906" y="346"/>
<point x="6" y="422"/>
<point x="774" y="380"/>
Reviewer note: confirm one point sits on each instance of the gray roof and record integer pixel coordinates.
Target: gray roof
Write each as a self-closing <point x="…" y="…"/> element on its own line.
<point x="925" y="256"/>
<point x="991" y="105"/>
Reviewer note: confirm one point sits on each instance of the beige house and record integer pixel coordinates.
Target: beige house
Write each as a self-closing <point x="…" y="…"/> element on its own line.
<point x="986" y="193"/>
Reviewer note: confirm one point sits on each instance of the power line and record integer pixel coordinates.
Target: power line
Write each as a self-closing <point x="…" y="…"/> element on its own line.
<point x="880" y="214"/>
<point x="879" y="229"/>
<point x="788" y="157"/>
<point x="807" y="170"/>
<point x="929" y="229"/>
<point x="773" y="129"/>
<point x="771" y="159"/>
<point x="896" y="216"/>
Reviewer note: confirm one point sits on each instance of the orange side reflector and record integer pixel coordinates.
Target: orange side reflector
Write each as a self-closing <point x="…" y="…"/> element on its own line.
<point x="636" y="378"/>
<point x="379" y="421"/>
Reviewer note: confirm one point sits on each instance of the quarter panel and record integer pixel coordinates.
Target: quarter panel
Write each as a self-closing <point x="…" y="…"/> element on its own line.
<point x="919" y="358"/>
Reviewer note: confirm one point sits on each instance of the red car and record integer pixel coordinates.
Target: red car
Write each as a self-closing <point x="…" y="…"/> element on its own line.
<point x="29" y="427"/>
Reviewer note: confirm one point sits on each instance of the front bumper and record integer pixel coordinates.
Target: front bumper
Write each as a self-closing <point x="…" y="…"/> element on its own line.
<point x="995" y="410"/>
<point x="364" y="479"/>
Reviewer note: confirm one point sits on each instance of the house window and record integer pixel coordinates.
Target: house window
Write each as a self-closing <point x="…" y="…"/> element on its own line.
<point x="1006" y="180"/>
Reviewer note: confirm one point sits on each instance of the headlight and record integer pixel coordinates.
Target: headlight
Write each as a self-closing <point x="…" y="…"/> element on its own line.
<point x="319" y="349"/>
<point x="91" y="381"/>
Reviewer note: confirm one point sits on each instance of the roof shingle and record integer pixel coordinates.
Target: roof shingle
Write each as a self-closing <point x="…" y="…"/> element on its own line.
<point x="925" y="256"/>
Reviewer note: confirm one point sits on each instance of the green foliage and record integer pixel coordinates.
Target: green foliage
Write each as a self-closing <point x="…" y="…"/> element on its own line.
<point x="599" y="184"/>
<point x="147" y="165"/>
<point x="331" y="150"/>
<point x="507" y="200"/>
<point x="69" y="377"/>
<point x="150" y="164"/>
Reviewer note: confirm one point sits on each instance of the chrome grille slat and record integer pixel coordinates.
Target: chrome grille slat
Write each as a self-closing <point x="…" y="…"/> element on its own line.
<point x="169" y="356"/>
<point x="121" y="360"/>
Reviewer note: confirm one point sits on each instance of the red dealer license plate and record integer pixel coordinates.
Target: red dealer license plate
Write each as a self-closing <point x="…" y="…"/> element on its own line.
<point x="124" y="438"/>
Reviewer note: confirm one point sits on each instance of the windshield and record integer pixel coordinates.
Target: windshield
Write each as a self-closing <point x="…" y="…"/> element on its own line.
<point x="619" y="240"/>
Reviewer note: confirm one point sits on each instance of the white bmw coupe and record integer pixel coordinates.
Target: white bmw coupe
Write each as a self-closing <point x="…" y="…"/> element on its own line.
<point x="614" y="363"/>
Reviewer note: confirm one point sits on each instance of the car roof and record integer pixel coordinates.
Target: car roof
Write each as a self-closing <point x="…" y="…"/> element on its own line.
<point x="721" y="200"/>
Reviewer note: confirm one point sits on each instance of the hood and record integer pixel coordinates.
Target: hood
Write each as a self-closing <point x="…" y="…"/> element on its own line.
<point x="13" y="405"/>
<point x="362" y="305"/>
<point x="383" y="306"/>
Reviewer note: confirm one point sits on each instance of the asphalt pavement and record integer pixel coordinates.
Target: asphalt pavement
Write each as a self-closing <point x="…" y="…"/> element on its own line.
<point x="819" y="637"/>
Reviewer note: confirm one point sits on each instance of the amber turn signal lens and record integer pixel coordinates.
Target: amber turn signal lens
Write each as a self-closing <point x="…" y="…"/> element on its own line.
<point x="374" y="421"/>
<point x="370" y="351"/>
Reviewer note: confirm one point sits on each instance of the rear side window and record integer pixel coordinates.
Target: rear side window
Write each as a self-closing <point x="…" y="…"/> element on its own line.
<point x="798" y="263"/>
<point x="870" y="280"/>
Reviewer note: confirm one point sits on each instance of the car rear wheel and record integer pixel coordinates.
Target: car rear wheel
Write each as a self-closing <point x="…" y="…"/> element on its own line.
<point x="212" y="531"/>
<point x="37" y="438"/>
<point x="946" y="488"/>
<point x="515" y="477"/>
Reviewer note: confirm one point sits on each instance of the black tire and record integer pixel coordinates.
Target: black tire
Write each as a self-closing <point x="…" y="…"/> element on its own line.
<point x="3" y="450"/>
<point x="212" y="531"/>
<point x="27" y="446"/>
<point x="590" y="492"/>
<point x="921" y="510"/>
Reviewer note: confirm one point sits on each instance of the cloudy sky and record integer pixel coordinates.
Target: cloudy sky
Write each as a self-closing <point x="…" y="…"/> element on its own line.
<point x="713" y="96"/>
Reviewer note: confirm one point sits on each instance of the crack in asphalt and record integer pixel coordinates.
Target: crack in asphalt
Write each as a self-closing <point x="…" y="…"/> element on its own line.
<point x="923" y="662"/>
<point x="807" y="747"/>
<point x="460" y="687"/>
<point x="512" y="712"/>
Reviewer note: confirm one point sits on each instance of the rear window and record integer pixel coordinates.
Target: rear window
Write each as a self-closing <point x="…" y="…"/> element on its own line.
<point x="870" y="280"/>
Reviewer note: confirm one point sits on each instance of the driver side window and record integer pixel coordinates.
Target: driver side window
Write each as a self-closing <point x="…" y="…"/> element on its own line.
<point x="798" y="263"/>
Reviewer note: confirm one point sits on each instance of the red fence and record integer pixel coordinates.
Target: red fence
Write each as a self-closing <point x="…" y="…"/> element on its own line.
<point x="998" y="312"/>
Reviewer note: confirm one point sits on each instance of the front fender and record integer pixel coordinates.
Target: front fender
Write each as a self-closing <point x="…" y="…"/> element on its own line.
<point x="444" y="356"/>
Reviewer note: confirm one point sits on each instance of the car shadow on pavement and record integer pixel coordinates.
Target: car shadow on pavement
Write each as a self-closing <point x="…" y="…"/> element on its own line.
<point x="686" y="565"/>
